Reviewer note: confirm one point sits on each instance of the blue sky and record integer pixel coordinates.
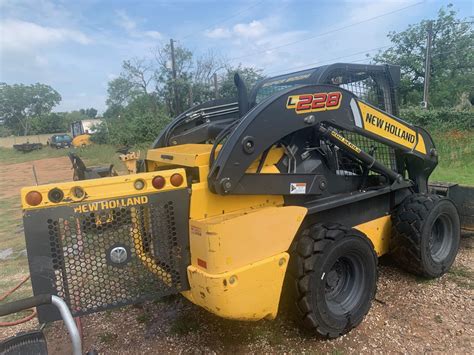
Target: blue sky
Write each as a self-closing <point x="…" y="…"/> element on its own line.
<point x="78" y="46"/>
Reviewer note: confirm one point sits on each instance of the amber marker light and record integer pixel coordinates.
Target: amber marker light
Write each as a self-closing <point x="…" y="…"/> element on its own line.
<point x="158" y="182"/>
<point x="33" y="198"/>
<point x="176" y="179"/>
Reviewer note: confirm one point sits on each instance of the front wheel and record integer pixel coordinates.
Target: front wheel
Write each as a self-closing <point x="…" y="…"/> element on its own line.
<point x="425" y="234"/>
<point x="334" y="271"/>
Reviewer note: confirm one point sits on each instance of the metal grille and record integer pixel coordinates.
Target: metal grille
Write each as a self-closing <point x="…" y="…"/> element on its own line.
<point x="117" y="256"/>
<point x="382" y="153"/>
<point x="269" y="90"/>
<point x="371" y="88"/>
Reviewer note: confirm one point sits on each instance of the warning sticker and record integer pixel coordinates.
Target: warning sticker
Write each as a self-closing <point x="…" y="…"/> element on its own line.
<point x="195" y="230"/>
<point x="297" y="188"/>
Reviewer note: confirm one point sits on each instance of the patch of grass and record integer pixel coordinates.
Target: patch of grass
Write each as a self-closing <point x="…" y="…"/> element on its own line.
<point x="11" y="225"/>
<point x="101" y="154"/>
<point x="107" y="337"/>
<point x="456" y="157"/>
<point x="184" y="324"/>
<point x="11" y="156"/>
<point x="424" y="280"/>
<point x="95" y="154"/>
<point x="438" y="319"/>
<point x="270" y="334"/>
<point x="144" y="317"/>
<point x="462" y="276"/>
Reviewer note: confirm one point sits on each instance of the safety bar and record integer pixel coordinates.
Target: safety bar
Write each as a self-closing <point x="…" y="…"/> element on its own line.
<point x="40" y="300"/>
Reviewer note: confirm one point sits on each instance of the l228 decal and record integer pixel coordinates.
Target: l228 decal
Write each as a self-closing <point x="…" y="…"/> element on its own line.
<point x="321" y="101"/>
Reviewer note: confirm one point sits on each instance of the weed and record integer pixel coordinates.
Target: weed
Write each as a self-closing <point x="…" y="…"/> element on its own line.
<point x="461" y="271"/>
<point x="424" y="280"/>
<point x="107" y="337"/>
<point x="184" y="324"/>
<point x="462" y="276"/>
<point x="143" y="318"/>
<point x="438" y="319"/>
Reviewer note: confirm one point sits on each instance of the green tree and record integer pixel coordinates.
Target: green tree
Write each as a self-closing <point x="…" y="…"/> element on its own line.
<point x="165" y="83"/>
<point x="89" y="112"/>
<point x="20" y="104"/>
<point x="248" y="74"/>
<point x="452" y="59"/>
<point x="50" y="123"/>
<point x="137" y="123"/>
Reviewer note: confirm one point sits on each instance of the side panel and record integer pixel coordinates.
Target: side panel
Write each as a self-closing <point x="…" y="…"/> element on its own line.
<point x="248" y="293"/>
<point x="233" y="240"/>
<point x="378" y="231"/>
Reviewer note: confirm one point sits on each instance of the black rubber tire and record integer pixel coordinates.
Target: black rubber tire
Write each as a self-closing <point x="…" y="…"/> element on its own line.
<point x="333" y="271"/>
<point x="425" y="234"/>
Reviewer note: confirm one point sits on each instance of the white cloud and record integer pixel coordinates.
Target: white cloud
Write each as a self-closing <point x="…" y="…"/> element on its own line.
<point x="131" y="27"/>
<point x="368" y="9"/>
<point x="153" y="34"/>
<point x="253" y="29"/>
<point x="17" y="35"/>
<point x="125" y="21"/>
<point x="219" y="33"/>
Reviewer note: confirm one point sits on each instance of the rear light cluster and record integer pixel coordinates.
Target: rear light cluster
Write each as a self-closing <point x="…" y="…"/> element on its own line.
<point x="159" y="182"/>
<point x="55" y="195"/>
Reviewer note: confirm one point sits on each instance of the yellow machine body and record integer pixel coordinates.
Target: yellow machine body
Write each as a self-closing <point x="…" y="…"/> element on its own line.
<point x="81" y="141"/>
<point x="238" y="244"/>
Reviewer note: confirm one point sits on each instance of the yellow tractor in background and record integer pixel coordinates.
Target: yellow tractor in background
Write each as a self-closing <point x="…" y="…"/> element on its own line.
<point x="82" y="130"/>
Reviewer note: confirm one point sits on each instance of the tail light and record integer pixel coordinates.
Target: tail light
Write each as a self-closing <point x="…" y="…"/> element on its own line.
<point x="158" y="182"/>
<point x="176" y="179"/>
<point x="33" y="198"/>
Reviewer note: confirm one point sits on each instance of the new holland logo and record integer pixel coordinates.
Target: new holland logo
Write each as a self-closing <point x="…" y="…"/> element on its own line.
<point x="110" y="204"/>
<point x="321" y="101"/>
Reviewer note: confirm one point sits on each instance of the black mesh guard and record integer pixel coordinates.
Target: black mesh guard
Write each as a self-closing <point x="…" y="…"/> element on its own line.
<point x="104" y="254"/>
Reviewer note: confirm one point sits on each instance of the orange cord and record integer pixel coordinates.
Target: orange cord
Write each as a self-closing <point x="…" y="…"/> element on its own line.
<point x="24" y="319"/>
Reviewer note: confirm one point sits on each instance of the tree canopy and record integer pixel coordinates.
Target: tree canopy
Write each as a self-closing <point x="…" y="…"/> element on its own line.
<point x="452" y="59"/>
<point x="20" y="104"/>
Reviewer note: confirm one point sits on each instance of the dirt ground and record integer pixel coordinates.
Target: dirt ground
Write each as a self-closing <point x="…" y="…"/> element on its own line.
<point x="409" y="315"/>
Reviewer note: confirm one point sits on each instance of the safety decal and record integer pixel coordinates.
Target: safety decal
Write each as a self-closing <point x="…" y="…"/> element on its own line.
<point x="321" y="101"/>
<point x="345" y="141"/>
<point x="297" y="188"/>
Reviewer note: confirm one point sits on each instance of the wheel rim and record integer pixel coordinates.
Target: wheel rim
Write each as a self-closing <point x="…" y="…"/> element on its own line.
<point x="344" y="284"/>
<point x="441" y="238"/>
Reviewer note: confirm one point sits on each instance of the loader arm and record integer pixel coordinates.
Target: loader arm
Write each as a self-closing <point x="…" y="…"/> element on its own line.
<point x="306" y="108"/>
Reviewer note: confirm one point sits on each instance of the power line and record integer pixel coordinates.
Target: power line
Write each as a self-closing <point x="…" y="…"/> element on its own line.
<point x="222" y="21"/>
<point x="327" y="32"/>
<point x="304" y="66"/>
<point x="310" y="65"/>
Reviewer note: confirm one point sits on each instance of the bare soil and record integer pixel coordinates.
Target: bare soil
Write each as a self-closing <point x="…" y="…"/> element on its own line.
<point x="15" y="176"/>
<point x="409" y="315"/>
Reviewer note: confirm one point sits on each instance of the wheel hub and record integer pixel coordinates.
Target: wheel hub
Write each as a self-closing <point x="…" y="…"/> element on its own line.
<point x="344" y="284"/>
<point x="440" y="238"/>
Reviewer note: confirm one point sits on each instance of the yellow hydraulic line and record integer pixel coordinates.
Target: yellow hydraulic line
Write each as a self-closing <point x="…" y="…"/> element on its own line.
<point x="147" y="260"/>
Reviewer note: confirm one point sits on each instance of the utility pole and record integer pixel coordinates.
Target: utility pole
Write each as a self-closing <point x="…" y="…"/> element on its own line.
<point x="427" y="65"/>
<point x="216" y="89"/>
<point x="173" y="70"/>
<point x="191" y="98"/>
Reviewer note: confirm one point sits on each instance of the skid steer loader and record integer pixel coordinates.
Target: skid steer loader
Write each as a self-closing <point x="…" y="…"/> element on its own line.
<point x="295" y="187"/>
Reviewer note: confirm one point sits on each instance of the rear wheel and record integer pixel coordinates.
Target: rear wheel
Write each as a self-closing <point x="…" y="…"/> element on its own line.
<point x="334" y="272"/>
<point x="425" y="234"/>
